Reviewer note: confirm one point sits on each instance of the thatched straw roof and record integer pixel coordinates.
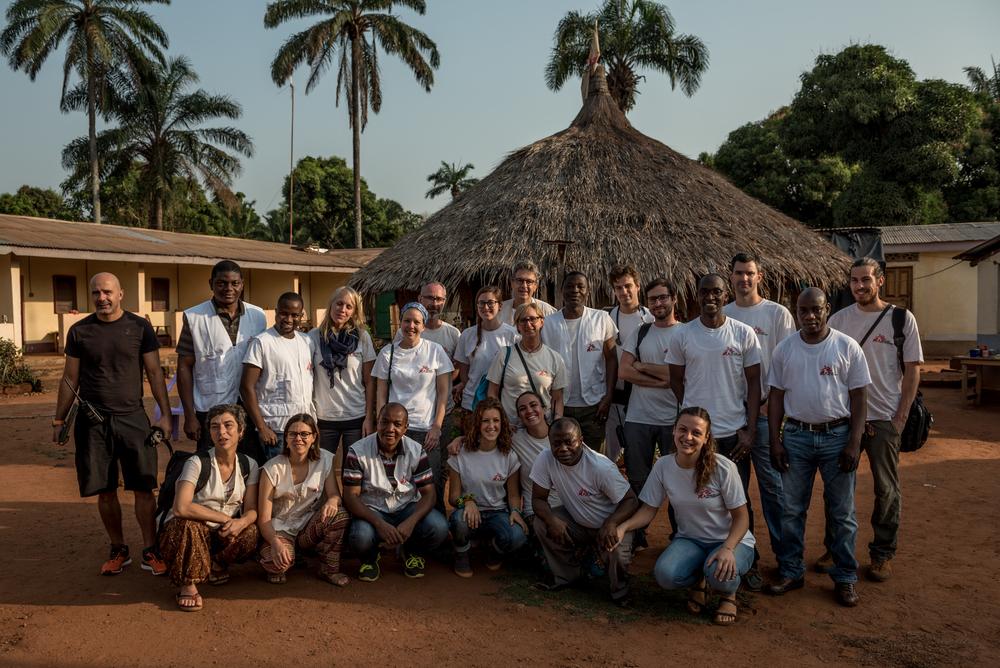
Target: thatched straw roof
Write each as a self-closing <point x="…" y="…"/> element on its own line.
<point x="621" y="197"/>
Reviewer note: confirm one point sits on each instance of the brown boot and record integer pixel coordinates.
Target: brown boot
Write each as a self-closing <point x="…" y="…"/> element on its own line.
<point x="880" y="570"/>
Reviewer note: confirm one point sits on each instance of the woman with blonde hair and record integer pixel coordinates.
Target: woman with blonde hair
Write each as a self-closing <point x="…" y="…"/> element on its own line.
<point x="713" y="546"/>
<point x="343" y="387"/>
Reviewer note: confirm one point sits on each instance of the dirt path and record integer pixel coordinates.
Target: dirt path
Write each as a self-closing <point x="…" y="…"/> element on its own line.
<point x="941" y="607"/>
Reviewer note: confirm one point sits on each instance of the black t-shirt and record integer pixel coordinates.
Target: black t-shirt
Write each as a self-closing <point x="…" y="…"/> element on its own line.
<point x="110" y="355"/>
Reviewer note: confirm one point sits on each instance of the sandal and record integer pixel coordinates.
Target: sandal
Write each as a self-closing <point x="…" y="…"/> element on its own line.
<point x="195" y="606"/>
<point x="697" y="597"/>
<point x="277" y="578"/>
<point x="218" y="576"/>
<point x="726" y="617"/>
<point x="337" y="579"/>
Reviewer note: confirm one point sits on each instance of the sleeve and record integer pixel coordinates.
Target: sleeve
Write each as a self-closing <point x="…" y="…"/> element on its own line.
<point x="513" y="463"/>
<point x="540" y="474"/>
<point x="731" y="487"/>
<point x="190" y="471"/>
<point x="185" y="342"/>
<point x="381" y="368"/>
<point x="367" y="348"/>
<point x="653" y="493"/>
<point x="613" y="483"/>
<point x="453" y="464"/>
<point x="784" y="325"/>
<point x="857" y="375"/>
<point x="776" y="372"/>
<point x="271" y="473"/>
<point x="442" y="362"/>
<point x="72" y="348"/>
<point x="461" y="350"/>
<point x="496" y="366"/>
<point x="610" y="328"/>
<point x="255" y="353"/>
<point x="353" y="475"/>
<point x="149" y="341"/>
<point x="751" y="347"/>
<point x="912" y="349"/>
<point x="675" y="354"/>
<point x="422" y="475"/>
<point x="254" y="476"/>
<point x="559" y="379"/>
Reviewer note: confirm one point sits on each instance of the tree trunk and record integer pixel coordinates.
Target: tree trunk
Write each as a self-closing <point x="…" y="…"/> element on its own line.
<point x="95" y="175"/>
<point x="455" y="192"/>
<point x="158" y="220"/>
<point x="356" y="125"/>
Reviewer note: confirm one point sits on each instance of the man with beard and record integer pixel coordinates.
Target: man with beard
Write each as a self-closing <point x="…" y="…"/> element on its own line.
<point x="893" y="388"/>
<point x="585" y="338"/>
<point x="210" y="350"/>
<point x="818" y="383"/>
<point x="715" y="365"/>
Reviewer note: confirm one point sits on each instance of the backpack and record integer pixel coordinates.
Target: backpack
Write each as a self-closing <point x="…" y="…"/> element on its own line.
<point x="165" y="499"/>
<point x="626" y="393"/>
<point x="919" y="421"/>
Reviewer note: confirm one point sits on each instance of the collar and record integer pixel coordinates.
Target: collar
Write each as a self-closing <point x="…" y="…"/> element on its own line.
<point x="221" y="310"/>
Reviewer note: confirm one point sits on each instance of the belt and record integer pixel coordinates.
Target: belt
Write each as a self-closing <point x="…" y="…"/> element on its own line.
<point x="820" y="426"/>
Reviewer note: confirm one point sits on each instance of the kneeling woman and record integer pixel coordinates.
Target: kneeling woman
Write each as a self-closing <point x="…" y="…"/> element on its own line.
<point x="211" y="522"/>
<point x="713" y="546"/>
<point x="299" y="505"/>
<point x="485" y="488"/>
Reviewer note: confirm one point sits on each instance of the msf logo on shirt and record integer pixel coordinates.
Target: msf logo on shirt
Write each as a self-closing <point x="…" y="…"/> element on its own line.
<point x="584" y="492"/>
<point x="707" y="493"/>
<point x="497" y="477"/>
<point x="425" y="369"/>
<point x="591" y="347"/>
<point x="759" y="331"/>
<point x="827" y="370"/>
<point x="881" y="338"/>
<point x="731" y="352"/>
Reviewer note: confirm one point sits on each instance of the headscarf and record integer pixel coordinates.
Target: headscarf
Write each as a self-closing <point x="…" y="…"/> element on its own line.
<point x="419" y="307"/>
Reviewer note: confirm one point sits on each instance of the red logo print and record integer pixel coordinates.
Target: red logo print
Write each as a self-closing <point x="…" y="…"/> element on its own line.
<point x="731" y="352"/>
<point x="543" y="374"/>
<point x="498" y="478"/>
<point x="707" y="493"/>
<point x="425" y="369"/>
<point x="759" y="331"/>
<point x="881" y="338"/>
<point x="591" y="347"/>
<point x="826" y="371"/>
<point x="584" y="492"/>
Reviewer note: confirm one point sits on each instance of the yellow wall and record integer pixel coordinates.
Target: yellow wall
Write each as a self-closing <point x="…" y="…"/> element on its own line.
<point x="41" y="323"/>
<point x="944" y="303"/>
<point x="10" y="299"/>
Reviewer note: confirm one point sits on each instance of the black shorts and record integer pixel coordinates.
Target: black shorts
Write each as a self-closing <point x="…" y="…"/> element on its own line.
<point x="100" y="448"/>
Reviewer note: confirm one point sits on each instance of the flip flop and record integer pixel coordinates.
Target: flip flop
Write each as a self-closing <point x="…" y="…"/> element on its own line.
<point x="198" y="602"/>
<point x="337" y="579"/>
<point x="218" y="577"/>
<point x="277" y="578"/>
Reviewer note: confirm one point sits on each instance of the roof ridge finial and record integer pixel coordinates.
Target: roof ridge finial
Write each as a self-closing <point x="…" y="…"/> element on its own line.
<point x="591" y="66"/>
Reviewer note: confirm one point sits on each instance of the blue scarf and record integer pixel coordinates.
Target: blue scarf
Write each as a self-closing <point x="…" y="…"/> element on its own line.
<point x="335" y="347"/>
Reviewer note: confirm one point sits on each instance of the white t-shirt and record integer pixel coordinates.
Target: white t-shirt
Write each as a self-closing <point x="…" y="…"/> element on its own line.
<point x="817" y="377"/>
<point x="285" y="386"/>
<point x="528" y="448"/>
<point x="771" y="322"/>
<point x="446" y="336"/>
<point x="414" y="378"/>
<point x="627" y="324"/>
<point x="652" y="405"/>
<point x="590" y="490"/>
<point x="222" y="496"/>
<point x="714" y="377"/>
<point x="485" y="474"/>
<point x="479" y="359"/>
<point x="548" y="371"/>
<point x="574" y="395"/>
<point x="292" y="505"/>
<point x="880" y="353"/>
<point x="703" y="514"/>
<point x="345" y="399"/>
<point x="507" y="310"/>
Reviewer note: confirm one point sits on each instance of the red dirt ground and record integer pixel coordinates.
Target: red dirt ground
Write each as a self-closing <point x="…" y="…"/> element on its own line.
<point x="941" y="607"/>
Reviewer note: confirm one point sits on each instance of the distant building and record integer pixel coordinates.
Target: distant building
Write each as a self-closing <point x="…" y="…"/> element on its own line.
<point x="45" y="266"/>
<point x="987" y="266"/>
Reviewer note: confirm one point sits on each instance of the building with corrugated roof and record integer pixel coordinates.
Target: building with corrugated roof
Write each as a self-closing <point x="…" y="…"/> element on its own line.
<point x="46" y="265"/>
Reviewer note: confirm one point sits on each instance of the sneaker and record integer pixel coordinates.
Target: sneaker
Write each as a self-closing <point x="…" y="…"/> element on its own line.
<point x="463" y="567"/>
<point x="117" y="562"/>
<point x="880" y="570"/>
<point x="846" y="594"/>
<point x="414" y="566"/>
<point x="752" y="580"/>
<point x="151" y="562"/>
<point x="824" y="564"/>
<point x="370" y="571"/>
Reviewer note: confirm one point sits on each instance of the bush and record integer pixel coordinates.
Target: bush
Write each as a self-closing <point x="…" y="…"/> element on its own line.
<point x="13" y="370"/>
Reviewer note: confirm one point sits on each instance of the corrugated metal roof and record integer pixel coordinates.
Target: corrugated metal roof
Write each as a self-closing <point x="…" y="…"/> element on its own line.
<point x="942" y="233"/>
<point x="58" y="238"/>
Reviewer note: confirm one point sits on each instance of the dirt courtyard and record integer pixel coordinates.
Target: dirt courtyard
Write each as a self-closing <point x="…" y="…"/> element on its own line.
<point x="941" y="608"/>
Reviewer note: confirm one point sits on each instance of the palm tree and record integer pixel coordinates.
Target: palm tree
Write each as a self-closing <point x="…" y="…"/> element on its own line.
<point x="633" y="34"/>
<point x="101" y="35"/>
<point x="981" y="84"/>
<point x="159" y="131"/>
<point x="349" y="32"/>
<point x="450" y="177"/>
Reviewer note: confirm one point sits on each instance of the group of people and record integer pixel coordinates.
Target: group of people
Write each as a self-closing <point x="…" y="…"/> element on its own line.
<point x="518" y="421"/>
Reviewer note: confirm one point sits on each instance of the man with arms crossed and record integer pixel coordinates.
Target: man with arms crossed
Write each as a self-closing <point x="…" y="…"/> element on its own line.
<point x="106" y="353"/>
<point x="772" y="323"/>
<point x="523" y="284"/>
<point x="889" y="398"/>
<point x="818" y="379"/>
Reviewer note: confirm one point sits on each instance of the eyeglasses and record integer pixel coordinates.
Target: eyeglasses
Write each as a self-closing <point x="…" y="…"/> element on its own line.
<point x="491" y="303"/>
<point x="530" y="320"/>
<point x="434" y="299"/>
<point x="300" y="434"/>
<point x="659" y="298"/>
<point x="525" y="281"/>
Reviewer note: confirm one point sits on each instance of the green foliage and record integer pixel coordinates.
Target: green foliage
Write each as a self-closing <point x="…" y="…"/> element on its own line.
<point x="975" y="194"/>
<point x="634" y="34"/>
<point x="39" y="202"/>
<point x="450" y="178"/>
<point x="13" y="369"/>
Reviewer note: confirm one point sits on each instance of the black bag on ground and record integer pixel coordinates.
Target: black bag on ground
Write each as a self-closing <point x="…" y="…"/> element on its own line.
<point x="165" y="498"/>
<point x="919" y="421"/>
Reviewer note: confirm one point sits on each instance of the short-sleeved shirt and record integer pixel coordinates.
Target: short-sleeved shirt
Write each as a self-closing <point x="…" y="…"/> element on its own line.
<point x="231" y="323"/>
<point x="714" y="361"/>
<point x="293" y="504"/>
<point x="354" y="475"/>
<point x="590" y="490"/>
<point x="507" y="310"/>
<point x="414" y="378"/>
<point x="817" y="377"/>
<point x="702" y="514"/>
<point x="480" y="356"/>
<point x="652" y="405"/>
<point x="880" y="352"/>
<point x="485" y="474"/>
<point x="547" y="371"/>
<point x="445" y="335"/>
<point x="222" y="496"/>
<point x="340" y="395"/>
<point x="771" y="322"/>
<point x="285" y="386"/>
<point x="627" y="324"/>
<point x="110" y="355"/>
<point x="528" y="448"/>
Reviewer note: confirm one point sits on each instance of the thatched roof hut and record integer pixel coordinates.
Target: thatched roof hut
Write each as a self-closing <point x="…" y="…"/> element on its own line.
<point x="620" y="197"/>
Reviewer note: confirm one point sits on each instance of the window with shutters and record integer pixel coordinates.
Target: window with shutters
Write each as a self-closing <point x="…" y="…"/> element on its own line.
<point x="64" y="294"/>
<point x="160" y="292"/>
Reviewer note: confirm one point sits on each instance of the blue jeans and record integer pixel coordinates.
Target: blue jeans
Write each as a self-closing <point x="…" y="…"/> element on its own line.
<point x="772" y="498"/>
<point x="430" y="531"/>
<point x="725" y="447"/>
<point x="809" y="452"/>
<point x="494" y="525"/>
<point x="685" y="561"/>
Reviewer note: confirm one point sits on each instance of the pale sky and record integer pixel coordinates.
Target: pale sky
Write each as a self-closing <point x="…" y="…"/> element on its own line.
<point x="489" y="96"/>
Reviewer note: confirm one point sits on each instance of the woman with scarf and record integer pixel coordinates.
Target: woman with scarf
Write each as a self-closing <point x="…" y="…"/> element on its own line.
<point x="343" y="387"/>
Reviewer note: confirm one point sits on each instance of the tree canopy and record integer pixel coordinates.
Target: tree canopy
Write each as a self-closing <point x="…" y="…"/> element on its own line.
<point x="450" y="178"/>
